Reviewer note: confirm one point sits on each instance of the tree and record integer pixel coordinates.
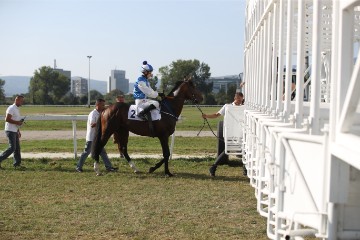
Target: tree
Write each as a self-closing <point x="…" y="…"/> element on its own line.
<point x="83" y="99"/>
<point x="221" y="97"/>
<point x="110" y="97"/>
<point x="210" y="99"/>
<point x="95" y="95"/>
<point x="180" y="69"/>
<point x="230" y="93"/>
<point x="2" y="91"/>
<point x="48" y="86"/>
<point x="69" y="99"/>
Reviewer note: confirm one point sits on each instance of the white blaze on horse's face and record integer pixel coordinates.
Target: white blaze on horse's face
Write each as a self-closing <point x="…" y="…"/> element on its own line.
<point x="176" y="92"/>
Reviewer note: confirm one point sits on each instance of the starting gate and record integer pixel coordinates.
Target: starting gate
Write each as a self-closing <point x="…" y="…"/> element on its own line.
<point x="303" y="153"/>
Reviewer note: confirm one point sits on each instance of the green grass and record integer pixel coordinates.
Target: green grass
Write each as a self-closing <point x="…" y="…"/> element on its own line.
<point x="190" y="118"/>
<point x="183" y="145"/>
<point x="50" y="201"/>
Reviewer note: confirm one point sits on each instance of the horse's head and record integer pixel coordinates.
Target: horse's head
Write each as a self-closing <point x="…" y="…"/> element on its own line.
<point x="188" y="91"/>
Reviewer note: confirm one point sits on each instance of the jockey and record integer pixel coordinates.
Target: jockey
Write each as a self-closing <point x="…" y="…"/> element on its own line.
<point x="142" y="91"/>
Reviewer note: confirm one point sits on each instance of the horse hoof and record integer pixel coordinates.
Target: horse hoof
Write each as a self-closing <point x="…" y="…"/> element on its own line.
<point x="168" y="175"/>
<point x="152" y="169"/>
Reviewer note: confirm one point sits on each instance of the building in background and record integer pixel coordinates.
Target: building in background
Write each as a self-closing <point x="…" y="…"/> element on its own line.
<point x="118" y="81"/>
<point x="224" y="82"/>
<point x="66" y="73"/>
<point x="63" y="72"/>
<point x="79" y="86"/>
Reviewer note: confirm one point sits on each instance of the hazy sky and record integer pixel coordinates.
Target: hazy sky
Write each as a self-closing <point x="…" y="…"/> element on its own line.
<point x="120" y="34"/>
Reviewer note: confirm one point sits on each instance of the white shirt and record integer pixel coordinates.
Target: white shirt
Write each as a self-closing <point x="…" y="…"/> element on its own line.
<point x="222" y="110"/>
<point x="90" y="131"/>
<point x="14" y="111"/>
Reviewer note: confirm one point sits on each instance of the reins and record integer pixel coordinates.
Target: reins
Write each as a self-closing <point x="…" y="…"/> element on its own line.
<point x="205" y="121"/>
<point x="171" y="112"/>
<point x="198" y="107"/>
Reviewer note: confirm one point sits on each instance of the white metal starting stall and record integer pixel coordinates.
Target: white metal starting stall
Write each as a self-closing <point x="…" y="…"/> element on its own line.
<point x="301" y="125"/>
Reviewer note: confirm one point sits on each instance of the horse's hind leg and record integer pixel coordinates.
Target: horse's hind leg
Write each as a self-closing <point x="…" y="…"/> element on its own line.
<point x="123" y="138"/>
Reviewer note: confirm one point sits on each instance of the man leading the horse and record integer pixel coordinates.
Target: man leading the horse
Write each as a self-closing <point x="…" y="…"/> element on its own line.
<point x="143" y="91"/>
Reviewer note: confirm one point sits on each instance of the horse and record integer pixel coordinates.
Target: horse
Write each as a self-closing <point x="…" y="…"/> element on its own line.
<point x="114" y="119"/>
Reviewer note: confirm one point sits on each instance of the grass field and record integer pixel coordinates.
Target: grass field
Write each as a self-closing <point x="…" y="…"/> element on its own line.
<point x="49" y="200"/>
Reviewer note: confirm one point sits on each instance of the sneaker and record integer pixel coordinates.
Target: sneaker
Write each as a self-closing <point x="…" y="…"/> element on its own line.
<point x="112" y="169"/>
<point x="78" y="169"/>
<point x="212" y="170"/>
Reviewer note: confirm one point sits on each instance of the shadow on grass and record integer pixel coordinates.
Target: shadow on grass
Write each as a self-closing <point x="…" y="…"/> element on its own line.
<point x="207" y="177"/>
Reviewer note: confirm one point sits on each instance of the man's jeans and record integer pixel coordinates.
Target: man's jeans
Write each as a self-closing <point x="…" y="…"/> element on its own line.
<point x="86" y="153"/>
<point x="14" y="147"/>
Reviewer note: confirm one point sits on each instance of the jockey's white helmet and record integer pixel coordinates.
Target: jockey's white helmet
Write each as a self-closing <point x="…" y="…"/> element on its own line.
<point x="146" y="67"/>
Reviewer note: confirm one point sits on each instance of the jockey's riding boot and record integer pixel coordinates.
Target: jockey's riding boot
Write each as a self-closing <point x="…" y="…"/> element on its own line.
<point x="143" y="114"/>
<point x="149" y="119"/>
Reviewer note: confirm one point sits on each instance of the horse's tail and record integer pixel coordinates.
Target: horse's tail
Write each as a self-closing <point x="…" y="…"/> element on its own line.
<point x="96" y="144"/>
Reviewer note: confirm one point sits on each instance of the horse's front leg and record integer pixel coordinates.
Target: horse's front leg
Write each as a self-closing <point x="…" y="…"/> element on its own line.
<point x="128" y="159"/>
<point x="166" y="155"/>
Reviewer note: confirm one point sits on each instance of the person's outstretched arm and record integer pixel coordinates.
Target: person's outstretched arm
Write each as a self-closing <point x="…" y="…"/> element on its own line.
<point x="214" y="115"/>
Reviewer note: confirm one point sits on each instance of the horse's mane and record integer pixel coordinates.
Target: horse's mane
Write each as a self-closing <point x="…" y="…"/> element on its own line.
<point x="177" y="84"/>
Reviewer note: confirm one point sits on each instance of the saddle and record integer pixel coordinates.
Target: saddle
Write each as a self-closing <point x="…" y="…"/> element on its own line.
<point x="155" y="114"/>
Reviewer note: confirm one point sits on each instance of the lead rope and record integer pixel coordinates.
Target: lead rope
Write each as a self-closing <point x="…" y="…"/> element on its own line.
<point x="206" y="121"/>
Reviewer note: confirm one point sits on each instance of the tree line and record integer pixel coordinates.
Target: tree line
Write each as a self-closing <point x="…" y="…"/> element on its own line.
<point x="49" y="87"/>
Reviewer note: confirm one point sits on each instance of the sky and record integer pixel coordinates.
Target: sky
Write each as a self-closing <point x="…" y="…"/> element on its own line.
<point x="120" y="34"/>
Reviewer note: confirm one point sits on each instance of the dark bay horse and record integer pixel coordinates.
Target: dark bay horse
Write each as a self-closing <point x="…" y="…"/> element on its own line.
<point x="114" y="119"/>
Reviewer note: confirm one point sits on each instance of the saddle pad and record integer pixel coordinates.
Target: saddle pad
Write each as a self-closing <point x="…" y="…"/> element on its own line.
<point x="155" y="114"/>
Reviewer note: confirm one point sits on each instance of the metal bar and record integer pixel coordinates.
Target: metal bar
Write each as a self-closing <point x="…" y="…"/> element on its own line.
<point x="280" y="67"/>
<point x="300" y="65"/>
<point x="315" y="83"/>
<point x="288" y="78"/>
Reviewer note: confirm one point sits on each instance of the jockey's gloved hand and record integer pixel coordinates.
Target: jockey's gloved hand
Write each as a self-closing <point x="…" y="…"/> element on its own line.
<point x="162" y="95"/>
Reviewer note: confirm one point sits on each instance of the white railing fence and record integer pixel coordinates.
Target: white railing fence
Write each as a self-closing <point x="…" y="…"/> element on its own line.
<point x="72" y="118"/>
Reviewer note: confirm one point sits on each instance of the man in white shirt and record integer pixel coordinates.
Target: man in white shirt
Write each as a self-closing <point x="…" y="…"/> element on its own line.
<point x="238" y="100"/>
<point x="90" y="134"/>
<point x="13" y="121"/>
